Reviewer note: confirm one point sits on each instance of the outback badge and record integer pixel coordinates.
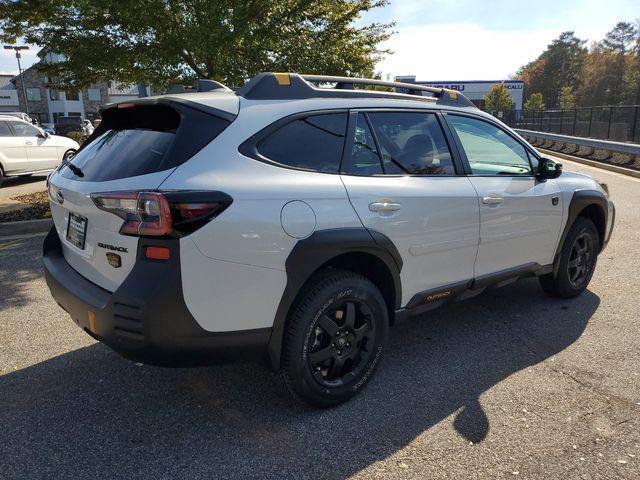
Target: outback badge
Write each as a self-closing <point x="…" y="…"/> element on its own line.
<point x="114" y="259"/>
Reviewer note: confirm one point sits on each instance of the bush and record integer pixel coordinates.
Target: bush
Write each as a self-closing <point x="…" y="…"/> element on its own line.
<point x="77" y="136"/>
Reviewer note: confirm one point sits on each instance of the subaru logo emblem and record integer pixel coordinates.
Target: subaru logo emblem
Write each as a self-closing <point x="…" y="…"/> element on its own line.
<point x="59" y="197"/>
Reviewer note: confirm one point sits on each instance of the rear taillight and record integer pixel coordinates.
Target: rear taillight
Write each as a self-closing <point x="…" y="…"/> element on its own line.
<point x="161" y="214"/>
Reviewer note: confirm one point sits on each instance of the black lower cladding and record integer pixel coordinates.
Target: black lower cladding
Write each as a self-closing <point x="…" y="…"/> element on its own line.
<point x="146" y="318"/>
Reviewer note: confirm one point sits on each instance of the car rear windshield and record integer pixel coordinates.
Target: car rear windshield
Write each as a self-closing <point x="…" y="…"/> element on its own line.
<point x="143" y="139"/>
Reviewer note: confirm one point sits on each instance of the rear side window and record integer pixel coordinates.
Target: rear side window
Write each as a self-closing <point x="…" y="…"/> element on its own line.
<point x="364" y="159"/>
<point x="312" y="143"/>
<point x="412" y="142"/>
<point x="142" y="140"/>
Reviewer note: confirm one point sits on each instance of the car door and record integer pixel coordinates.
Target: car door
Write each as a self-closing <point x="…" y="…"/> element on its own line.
<point x="42" y="153"/>
<point x="13" y="155"/>
<point x="520" y="216"/>
<point x="402" y="181"/>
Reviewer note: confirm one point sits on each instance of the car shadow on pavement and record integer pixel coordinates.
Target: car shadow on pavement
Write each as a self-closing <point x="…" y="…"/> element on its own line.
<point x="89" y="413"/>
<point x="18" y="269"/>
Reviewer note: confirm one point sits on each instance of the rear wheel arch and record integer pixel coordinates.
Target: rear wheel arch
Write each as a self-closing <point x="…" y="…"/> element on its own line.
<point x="370" y="254"/>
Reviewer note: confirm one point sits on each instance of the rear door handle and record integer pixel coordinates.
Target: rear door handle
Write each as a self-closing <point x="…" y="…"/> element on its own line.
<point x="384" y="207"/>
<point x="29" y="143"/>
<point x="492" y="200"/>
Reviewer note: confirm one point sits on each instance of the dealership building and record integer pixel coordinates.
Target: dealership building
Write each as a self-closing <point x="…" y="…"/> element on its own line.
<point x="474" y="90"/>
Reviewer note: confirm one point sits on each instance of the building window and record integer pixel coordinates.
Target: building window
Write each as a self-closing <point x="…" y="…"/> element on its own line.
<point x="73" y="96"/>
<point x="93" y="95"/>
<point x="54" y="94"/>
<point x="33" y="95"/>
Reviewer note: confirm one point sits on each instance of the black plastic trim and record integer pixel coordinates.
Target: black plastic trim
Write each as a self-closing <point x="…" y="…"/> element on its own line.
<point x="146" y="318"/>
<point x="580" y="200"/>
<point x="310" y="254"/>
<point x="435" y="297"/>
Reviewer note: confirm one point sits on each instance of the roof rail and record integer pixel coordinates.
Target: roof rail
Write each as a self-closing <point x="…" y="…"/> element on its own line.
<point x="202" y="85"/>
<point x="290" y="86"/>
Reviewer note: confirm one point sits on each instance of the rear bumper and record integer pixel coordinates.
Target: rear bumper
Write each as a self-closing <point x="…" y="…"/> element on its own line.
<point x="146" y="318"/>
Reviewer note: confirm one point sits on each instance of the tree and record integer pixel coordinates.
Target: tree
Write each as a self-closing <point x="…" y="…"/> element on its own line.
<point x="567" y="100"/>
<point x="498" y="99"/>
<point x="163" y="42"/>
<point x="601" y="78"/>
<point x="559" y="65"/>
<point x="621" y="38"/>
<point x="535" y="102"/>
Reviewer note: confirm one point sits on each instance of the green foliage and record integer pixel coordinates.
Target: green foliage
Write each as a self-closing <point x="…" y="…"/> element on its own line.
<point x="498" y="99"/>
<point x="559" y="65"/>
<point x="535" y="102"/>
<point x="607" y="73"/>
<point x="77" y="136"/>
<point x="164" y="42"/>
<point x="567" y="99"/>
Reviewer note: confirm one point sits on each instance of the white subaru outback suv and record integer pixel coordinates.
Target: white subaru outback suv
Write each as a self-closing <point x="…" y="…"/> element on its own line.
<point x="294" y="223"/>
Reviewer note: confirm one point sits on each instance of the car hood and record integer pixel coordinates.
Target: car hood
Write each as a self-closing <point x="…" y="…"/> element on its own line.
<point x="64" y="141"/>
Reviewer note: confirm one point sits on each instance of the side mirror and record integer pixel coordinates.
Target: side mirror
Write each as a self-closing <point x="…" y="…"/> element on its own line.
<point x="547" y="168"/>
<point x="42" y="134"/>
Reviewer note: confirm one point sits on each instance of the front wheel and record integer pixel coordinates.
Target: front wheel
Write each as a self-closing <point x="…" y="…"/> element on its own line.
<point x="577" y="261"/>
<point x="334" y="339"/>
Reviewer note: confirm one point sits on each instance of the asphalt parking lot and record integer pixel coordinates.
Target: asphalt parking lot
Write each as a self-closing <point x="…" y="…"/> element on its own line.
<point x="511" y="384"/>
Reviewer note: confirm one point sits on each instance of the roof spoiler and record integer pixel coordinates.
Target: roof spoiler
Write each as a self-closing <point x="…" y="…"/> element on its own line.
<point x="292" y="86"/>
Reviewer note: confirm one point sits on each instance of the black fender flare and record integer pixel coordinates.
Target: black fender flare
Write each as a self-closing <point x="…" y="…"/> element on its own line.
<point x="580" y="200"/>
<point x="309" y="254"/>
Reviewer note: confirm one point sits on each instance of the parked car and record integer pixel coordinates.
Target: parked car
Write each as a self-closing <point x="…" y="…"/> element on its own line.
<point x="64" y="125"/>
<point x="26" y="149"/>
<point x="49" y="128"/>
<point x="20" y="115"/>
<point x="295" y="223"/>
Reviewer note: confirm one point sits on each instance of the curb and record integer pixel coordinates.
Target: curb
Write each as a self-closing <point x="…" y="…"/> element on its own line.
<point x="593" y="163"/>
<point x="25" y="227"/>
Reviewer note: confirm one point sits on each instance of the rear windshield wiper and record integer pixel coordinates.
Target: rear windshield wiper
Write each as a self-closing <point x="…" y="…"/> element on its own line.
<point x="76" y="170"/>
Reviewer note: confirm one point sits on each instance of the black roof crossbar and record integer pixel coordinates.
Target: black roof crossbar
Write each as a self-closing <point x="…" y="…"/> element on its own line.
<point x="202" y="85"/>
<point x="292" y="86"/>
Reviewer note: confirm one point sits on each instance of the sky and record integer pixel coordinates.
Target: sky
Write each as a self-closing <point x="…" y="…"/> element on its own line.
<point x="469" y="39"/>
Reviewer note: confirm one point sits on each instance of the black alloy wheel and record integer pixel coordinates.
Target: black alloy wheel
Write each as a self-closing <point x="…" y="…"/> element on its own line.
<point x="334" y="338"/>
<point x="581" y="260"/>
<point x="342" y="343"/>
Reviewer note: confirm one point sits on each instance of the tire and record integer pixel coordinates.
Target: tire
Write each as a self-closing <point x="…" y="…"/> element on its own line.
<point x="577" y="262"/>
<point x="1" y="176"/>
<point x="68" y="155"/>
<point x="334" y="338"/>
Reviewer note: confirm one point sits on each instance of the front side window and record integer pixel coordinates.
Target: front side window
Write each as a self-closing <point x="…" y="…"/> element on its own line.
<point x="24" y="129"/>
<point x="489" y="149"/>
<point x="412" y="142"/>
<point x="312" y="143"/>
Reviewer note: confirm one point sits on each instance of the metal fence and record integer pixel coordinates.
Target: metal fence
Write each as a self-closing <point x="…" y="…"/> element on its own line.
<point x="621" y="124"/>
